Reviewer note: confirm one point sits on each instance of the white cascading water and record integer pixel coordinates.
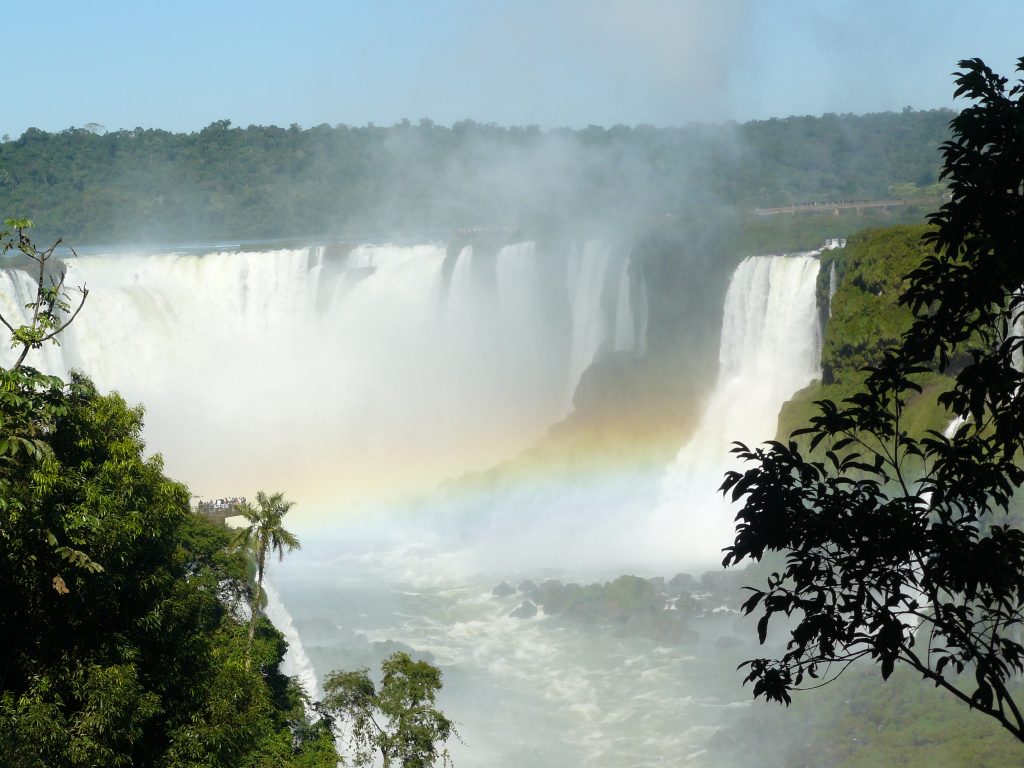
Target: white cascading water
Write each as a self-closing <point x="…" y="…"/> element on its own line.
<point x="302" y="368"/>
<point x="296" y="662"/>
<point x="17" y="289"/>
<point x="577" y="695"/>
<point x="833" y="285"/>
<point x="525" y="321"/>
<point x="770" y="349"/>
<point x="625" y="323"/>
<point x="341" y="375"/>
<point x="287" y="369"/>
<point x="591" y="324"/>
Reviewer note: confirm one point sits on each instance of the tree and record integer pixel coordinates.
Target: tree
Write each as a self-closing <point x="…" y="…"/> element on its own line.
<point x="400" y="719"/>
<point x="265" y="533"/>
<point x="901" y="548"/>
<point x="121" y="642"/>
<point x="31" y="403"/>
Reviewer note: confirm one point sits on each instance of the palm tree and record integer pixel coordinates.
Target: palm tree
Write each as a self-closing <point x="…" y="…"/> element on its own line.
<point x="264" y="534"/>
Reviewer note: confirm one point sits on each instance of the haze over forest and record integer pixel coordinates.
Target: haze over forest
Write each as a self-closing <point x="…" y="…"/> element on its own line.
<point x="149" y="185"/>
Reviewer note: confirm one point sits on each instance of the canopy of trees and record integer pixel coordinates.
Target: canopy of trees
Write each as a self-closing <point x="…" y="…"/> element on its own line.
<point x="398" y="719"/>
<point x="269" y="182"/>
<point x="124" y="642"/>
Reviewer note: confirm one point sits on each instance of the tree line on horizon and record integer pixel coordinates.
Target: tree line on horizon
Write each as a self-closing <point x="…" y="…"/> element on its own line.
<point x="151" y="185"/>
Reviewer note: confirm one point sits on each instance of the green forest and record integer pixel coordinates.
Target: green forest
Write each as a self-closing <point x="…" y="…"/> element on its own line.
<point x="123" y="623"/>
<point x="153" y="186"/>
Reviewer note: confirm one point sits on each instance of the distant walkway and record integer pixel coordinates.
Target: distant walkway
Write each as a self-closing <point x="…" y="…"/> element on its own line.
<point x="832" y="207"/>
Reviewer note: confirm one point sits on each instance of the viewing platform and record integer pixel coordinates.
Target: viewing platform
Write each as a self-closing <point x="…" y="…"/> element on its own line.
<point x="218" y="510"/>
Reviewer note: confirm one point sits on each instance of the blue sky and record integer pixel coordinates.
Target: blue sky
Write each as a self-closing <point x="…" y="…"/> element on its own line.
<point x="180" y="65"/>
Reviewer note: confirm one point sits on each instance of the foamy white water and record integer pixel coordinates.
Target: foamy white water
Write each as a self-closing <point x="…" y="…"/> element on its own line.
<point x="543" y="692"/>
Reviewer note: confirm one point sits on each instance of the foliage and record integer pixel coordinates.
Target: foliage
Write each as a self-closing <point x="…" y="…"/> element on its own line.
<point x="857" y="722"/>
<point x="270" y="182"/>
<point x="904" y="722"/>
<point x="400" y="719"/>
<point x="867" y="317"/>
<point x="139" y="660"/>
<point x="265" y="533"/>
<point x="898" y="548"/>
<point x="862" y="320"/>
<point x="120" y="628"/>
<point x="51" y="305"/>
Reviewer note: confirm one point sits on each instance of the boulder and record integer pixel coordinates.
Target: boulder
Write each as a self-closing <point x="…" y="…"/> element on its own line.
<point x="526" y="610"/>
<point x="503" y="590"/>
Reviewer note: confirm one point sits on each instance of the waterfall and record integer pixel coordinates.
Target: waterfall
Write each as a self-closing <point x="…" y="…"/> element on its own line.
<point x="343" y="374"/>
<point x="17" y="289"/>
<point x="641" y="314"/>
<point x="591" y="324"/>
<point x="525" y="319"/>
<point x="770" y="348"/>
<point x="832" y="285"/>
<point x="625" y="322"/>
<point x="296" y="662"/>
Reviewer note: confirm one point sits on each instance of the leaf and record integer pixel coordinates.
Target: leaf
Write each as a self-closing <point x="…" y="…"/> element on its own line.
<point x="60" y="586"/>
<point x="887" y="666"/>
<point x="752" y="602"/>
<point x="762" y="628"/>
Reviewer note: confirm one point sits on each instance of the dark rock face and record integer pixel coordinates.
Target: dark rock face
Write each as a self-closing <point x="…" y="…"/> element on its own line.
<point x="503" y="590"/>
<point x="665" y="610"/>
<point x="526" y="610"/>
<point x="526" y="587"/>
<point x="681" y="583"/>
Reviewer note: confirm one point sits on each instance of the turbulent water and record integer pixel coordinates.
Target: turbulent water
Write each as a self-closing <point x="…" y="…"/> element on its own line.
<point x="538" y="692"/>
<point x="547" y="691"/>
<point x="345" y="375"/>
